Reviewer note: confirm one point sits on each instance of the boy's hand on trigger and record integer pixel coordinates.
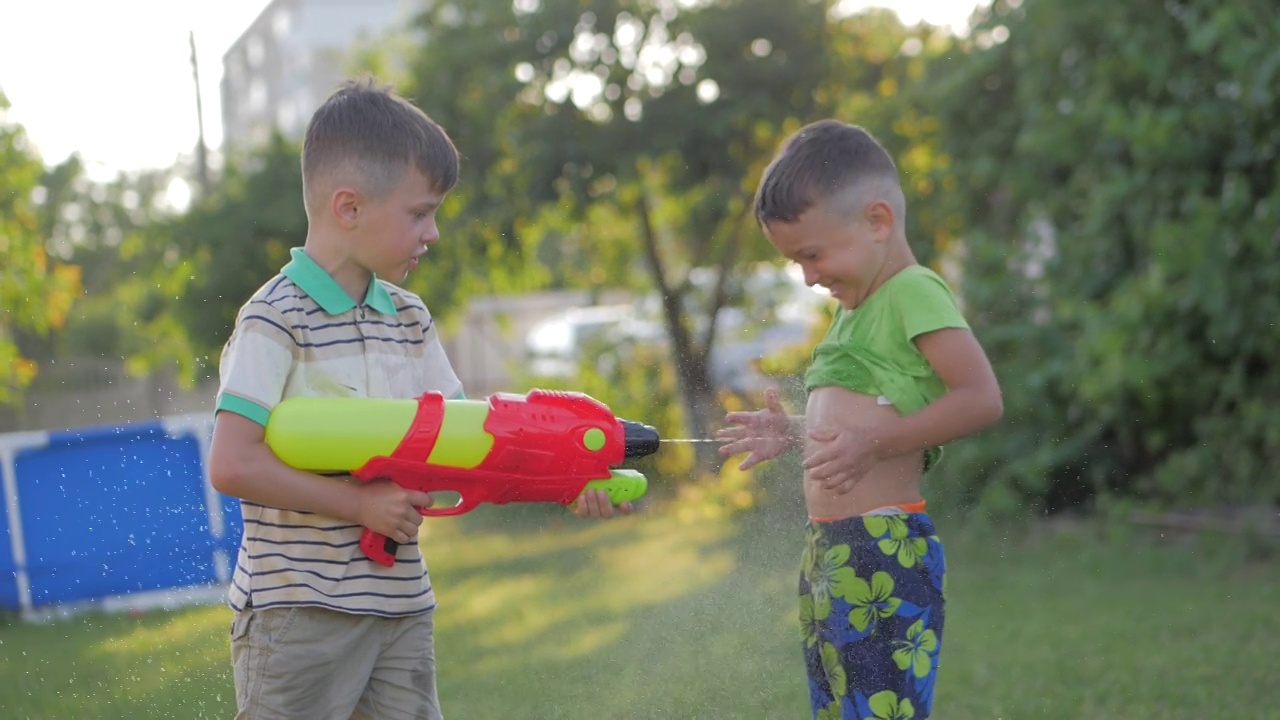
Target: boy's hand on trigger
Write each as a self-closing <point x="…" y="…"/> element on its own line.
<point x="765" y="433"/>
<point x="840" y="458"/>
<point x="390" y="510"/>
<point x="595" y="504"/>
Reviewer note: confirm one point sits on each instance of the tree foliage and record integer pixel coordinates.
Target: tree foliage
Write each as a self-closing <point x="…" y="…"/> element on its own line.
<point x="1115" y="170"/>
<point x="109" y="230"/>
<point x="36" y="291"/>
<point x="614" y="142"/>
<point x="1098" y="179"/>
<point x="234" y="240"/>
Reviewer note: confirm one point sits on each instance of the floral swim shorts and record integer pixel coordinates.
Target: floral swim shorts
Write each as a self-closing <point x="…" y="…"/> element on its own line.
<point x="871" y="613"/>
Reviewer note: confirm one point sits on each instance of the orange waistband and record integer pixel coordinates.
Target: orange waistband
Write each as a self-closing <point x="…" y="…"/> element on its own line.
<point x="915" y="507"/>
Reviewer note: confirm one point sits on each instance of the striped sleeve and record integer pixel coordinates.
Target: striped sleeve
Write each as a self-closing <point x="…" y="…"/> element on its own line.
<point x="256" y="362"/>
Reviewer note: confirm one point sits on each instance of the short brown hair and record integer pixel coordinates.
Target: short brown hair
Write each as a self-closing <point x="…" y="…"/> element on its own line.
<point x="820" y="160"/>
<point x="368" y="133"/>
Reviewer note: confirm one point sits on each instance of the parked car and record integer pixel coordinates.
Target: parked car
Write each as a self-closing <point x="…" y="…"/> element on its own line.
<point x="555" y="347"/>
<point x="772" y="309"/>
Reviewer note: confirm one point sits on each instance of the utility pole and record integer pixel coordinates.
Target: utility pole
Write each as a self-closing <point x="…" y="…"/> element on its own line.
<point x="202" y="153"/>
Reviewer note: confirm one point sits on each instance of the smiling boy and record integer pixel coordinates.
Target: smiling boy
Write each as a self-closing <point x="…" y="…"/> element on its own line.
<point x="898" y="375"/>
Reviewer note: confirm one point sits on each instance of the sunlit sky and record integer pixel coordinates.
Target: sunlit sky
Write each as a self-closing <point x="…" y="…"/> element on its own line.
<point x="112" y="80"/>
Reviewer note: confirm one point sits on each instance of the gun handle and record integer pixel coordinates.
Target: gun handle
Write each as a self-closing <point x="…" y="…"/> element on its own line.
<point x="382" y="549"/>
<point x="379" y="548"/>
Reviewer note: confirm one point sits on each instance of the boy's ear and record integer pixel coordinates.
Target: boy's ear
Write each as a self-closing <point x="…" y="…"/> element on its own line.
<point x="879" y="216"/>
<point x="344" y="204"/>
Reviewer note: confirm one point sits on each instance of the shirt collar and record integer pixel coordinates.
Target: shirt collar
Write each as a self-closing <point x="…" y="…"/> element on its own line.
<point x="314" y="281"/>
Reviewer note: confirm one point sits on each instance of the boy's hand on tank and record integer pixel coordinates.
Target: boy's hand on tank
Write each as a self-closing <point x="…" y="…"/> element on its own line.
<point x="390" y="510"/>
<point x="839" y="459"/>
<point x="595" y="504"/>
<point x="764" y="433"/>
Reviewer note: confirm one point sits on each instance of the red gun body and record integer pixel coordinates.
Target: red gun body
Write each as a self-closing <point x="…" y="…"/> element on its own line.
<point x="547" y="445"/>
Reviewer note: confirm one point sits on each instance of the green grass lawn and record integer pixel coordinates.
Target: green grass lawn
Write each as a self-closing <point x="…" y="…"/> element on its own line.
<point x="545" y="616"/>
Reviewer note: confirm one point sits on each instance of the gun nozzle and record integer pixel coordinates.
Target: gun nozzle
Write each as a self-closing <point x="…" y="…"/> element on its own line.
<point x="639" y="439"/>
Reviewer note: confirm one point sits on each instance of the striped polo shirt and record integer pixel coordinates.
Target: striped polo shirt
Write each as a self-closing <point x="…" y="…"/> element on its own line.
<point x="302" y="335"/>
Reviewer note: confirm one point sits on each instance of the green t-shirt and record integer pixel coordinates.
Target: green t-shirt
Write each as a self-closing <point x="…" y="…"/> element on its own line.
<point x="870" y="350"/>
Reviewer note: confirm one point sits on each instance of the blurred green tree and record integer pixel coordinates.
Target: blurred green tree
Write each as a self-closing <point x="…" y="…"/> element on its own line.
<point x="616" y="144"/>
<point x="1115" y="179"/>
<point x="106" y="229"/>
<point x="36" y="291"/>
<point x="232" y="241"/>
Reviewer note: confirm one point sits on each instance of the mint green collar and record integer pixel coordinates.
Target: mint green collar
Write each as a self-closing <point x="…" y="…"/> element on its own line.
<point x="322" y="288"/>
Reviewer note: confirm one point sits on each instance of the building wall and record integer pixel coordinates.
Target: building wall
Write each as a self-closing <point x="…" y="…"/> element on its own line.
<point x="290" y="59"/>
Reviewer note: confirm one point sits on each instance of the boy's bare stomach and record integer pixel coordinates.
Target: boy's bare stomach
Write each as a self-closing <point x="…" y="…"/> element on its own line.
<point x="889" y="482"/>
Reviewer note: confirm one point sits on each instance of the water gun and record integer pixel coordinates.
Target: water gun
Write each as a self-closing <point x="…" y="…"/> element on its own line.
<point x="544" y="446"/>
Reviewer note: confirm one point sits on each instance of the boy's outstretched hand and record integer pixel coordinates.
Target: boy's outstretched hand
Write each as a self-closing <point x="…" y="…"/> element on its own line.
<point x="594" y="503"/>
<point x="765" y="433"/>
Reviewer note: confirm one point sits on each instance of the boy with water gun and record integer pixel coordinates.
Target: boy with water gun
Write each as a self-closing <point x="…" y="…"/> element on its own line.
<point x="321" y="629"/>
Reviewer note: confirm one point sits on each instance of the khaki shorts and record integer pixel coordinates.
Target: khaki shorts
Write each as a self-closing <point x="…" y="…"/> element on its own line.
<point x="316" y="664"/>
